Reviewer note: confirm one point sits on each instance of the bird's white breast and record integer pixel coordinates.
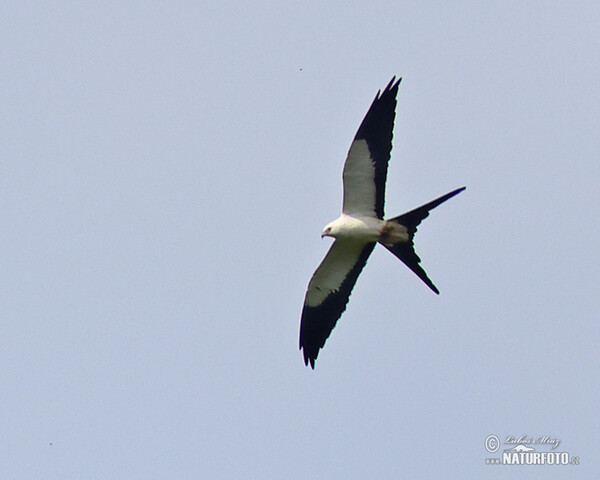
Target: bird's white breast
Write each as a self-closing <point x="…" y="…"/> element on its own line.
<point x="361" y="228"/>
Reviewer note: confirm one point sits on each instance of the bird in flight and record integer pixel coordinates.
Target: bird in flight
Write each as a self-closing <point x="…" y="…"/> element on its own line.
<point x="361" y="226"/>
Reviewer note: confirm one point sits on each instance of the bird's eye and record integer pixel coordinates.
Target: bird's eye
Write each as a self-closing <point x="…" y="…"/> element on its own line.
<point x="328" y="230"/>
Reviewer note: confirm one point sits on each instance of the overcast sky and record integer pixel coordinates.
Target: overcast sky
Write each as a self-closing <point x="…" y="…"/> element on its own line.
<point x="166" y="169"/>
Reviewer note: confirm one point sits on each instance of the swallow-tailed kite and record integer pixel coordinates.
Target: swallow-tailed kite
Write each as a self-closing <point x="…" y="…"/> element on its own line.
<point x="361" y="226"/>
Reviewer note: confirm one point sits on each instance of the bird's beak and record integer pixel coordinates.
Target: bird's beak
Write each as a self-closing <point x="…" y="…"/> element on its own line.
<point x="323" y="235"/>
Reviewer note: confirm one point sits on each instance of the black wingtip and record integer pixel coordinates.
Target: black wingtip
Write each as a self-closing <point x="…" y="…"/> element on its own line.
<point x="392" y="85"/>
<point x="310" y="355"/>
<point x="308" y="359"/>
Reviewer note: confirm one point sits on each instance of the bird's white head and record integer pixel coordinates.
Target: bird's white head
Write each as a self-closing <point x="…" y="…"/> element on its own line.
<point x="330" y="230"/>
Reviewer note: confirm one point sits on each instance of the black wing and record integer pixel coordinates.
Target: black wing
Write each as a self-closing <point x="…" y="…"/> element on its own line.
<point x="328" y="293"/>
<point x="365" y="169"/>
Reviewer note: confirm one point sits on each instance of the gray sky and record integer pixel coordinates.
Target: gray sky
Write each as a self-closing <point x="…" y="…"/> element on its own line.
<point x="166" y="169"/>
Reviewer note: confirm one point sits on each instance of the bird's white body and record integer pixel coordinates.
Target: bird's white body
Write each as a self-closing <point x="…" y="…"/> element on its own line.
<point x="366" y="229"/>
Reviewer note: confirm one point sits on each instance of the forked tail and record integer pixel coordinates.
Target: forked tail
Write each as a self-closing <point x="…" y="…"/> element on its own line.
<point x="411" y="220"/>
